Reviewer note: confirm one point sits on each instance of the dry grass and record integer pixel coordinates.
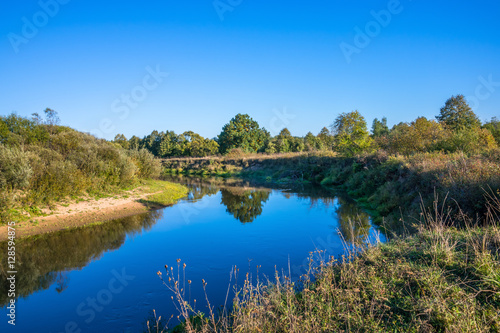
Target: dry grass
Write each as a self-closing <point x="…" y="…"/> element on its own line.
<point x="440" y="279"/>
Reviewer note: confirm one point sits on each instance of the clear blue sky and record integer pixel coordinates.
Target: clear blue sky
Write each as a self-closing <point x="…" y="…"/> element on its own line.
<point x="263" y="57"/>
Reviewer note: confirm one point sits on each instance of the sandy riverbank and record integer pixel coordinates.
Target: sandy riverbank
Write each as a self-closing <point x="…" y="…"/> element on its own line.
<point x="89" y="211"/>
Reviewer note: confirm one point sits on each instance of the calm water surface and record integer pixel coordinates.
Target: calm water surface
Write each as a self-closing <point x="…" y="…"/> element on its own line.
<point x="103" y="278"/>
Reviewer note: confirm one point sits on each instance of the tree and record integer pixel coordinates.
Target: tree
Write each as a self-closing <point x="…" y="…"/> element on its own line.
<point x="351" y="134"/>
<point x="122" y="141"/>
<point x="457" y="114"/>
<point x="36" y="118"/>
<point x="469" y="140"/>
<point x="167" y="144"/>
<point x="421" y="135"/>
<point x="134" y="143"/>
<point x="283" y="141"/>
<point x="198" y="146"/>
<point x="271" y="147"/>
<point x="51" y="117"/>
<point x="297" y="144"/>
<point x="379" y="128"/>
<point x="16" y="130"/>
<point x="312" y="142"/>
<point x="152" y="142"/>
<point x="326" y="138"/>
<point x="242" y="132"/>
<point x="494" y="127"/>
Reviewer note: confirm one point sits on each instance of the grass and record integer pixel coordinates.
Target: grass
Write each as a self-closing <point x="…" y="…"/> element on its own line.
<point x="440" y="279"/>
<point x="165" y="193"/>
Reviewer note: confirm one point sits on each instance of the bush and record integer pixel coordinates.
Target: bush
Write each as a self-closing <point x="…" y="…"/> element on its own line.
<point x="469" y="141"/>
<point x="236" y="153"/>
<point x="15" y="171"/>
<point x="148" y="166"/>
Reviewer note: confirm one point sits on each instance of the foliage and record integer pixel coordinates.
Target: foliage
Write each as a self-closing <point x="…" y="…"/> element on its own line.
<point x="122" y="141"/>
<point x="494" y="127"/>
<point x="49" y="162"/>
<point x="312" y="143"/>
<point x="469" y="140"/>
<point x="326" y="138"/>
<point x="420" y="135"/>
<point x="457" y="114"/>
<point x="15" y="171"/>
<point x="283" y="141"/>
<point x="169" y="144"/>
<point x="351" y="134"/>
<point x="16" y="131"/>
<point x="380" y="128"/>
<point x="147" y="165"/>
<point x="242" y="132"/>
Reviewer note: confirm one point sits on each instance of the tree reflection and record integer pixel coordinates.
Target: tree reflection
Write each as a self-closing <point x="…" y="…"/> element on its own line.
<point x="42" y="261"/>
<point x="354" y="223"/>
<point x="245" y="205"/>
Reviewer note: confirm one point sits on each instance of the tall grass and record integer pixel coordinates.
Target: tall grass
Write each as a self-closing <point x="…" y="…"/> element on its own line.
<point x="440" y="279"/>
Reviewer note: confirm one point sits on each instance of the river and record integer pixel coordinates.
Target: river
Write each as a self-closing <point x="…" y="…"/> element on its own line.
<point x="103" y="278"/>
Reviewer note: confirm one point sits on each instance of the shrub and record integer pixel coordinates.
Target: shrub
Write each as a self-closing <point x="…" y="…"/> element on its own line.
<point x="468" y="140"/>
<point x="148" y="166"/>
<point x="15" y="171"/>
<point x="236" y="153"/>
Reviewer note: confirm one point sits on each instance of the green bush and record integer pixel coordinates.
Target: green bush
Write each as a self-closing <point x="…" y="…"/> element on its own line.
<point x="469" y="140"/>
<point x="50" y="162"/>
<point x="15" y="171"/>
<point x="148" y="166"/>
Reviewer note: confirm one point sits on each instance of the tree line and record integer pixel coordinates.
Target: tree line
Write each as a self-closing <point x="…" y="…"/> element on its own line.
<point x="456" y="128"/>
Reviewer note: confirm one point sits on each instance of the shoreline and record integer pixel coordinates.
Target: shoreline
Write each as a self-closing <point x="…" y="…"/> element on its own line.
<point x="88" y="212"/>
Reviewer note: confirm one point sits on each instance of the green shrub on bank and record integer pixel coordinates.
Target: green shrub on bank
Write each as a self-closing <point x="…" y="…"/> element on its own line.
<point x="49" y="162"/>
<point x="15" y="171"/>
<point x="148" y="166"/>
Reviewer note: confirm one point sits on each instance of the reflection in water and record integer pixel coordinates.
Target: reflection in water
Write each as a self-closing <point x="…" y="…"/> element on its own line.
<point x="245" y="202"/>
<point x="354" y="224"/>
<point x="43" y="260"/>
<point x="62" y="281"/>
<point x="245" y="205"/>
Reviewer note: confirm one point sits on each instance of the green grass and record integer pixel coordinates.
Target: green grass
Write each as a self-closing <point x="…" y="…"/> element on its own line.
<point x="170" y="192"/>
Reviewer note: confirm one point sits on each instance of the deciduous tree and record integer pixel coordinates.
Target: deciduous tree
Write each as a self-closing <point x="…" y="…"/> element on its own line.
<point x="457" y="114"/>
<point x="242" y="132"/>
<point x="351" y="134"/>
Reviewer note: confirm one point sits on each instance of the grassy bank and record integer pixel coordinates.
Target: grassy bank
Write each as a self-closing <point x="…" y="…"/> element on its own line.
<point x="390" y="187"/>
<point x="440" y="279"/>
<point x="162" y="193"/>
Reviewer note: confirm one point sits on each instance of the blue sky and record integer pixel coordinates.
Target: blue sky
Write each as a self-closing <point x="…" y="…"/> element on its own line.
<point x="281" y="62"/>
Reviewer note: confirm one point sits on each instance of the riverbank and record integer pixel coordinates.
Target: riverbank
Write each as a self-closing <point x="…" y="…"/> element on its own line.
<point x="439" y="273"/>
<point x="438" y="280"/>
<point x="391" y="187"/>
<point x="148" y="195"/>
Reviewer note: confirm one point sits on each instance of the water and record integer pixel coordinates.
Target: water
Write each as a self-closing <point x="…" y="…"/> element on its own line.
<point x="104" y="278"/>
